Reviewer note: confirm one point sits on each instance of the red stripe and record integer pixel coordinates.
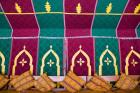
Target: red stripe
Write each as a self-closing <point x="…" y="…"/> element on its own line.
<point x="98" y="85"/>
<point x="75" y="81"/>
<point x="69" y="85"/>
<point x="47" y="82"/>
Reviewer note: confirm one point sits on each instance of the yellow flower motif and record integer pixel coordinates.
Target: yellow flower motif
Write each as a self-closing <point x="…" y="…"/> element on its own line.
<point x="48" y="7"/>
<point x="78" y="8"/>
<point x="137" y="9"/>
<point x="109" y="8"/>
<point x="18" y="8"/>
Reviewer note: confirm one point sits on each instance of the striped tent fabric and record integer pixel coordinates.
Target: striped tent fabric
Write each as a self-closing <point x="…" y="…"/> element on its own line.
<point x="82" y="36"/>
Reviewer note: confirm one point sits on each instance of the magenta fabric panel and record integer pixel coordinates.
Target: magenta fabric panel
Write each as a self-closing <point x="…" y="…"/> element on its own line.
<point x="79" y="25"/>
<point x="81" y="56"/>
<point x="128" y="23"/>
<point x="25" y="24"/>
<point x="23" y="56"/>
<point x="130" y="56"/>
<point x="25" y="32"/>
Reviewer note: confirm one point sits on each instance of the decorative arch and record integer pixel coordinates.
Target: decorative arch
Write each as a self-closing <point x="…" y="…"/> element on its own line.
<point x="2" y="63"/>
<point x="128" y="57"/>
<point x="18" y="55"/>
<point x="101" y="61"/>
<point x="86" y="56"/>
<point x="57" y="60"/>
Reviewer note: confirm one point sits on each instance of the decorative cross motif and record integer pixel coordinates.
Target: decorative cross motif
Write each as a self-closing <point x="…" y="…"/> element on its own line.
<point x="23" y="62"/>
<point x="50" y="63"/>
<point x="134" y="63"/>
<point x="81" y="61"/>
<point x="107" y="61"/>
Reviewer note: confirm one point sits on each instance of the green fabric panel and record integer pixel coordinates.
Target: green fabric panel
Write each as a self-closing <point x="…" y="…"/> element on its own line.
<point x="5" y="46"/>
<point x="105" y="25"/>
<point x="100" y="47"/>
<point x="5" y="30"/>
<point x="44" y="47"/>
<point x="138" y="31"/>
<point x="50" y="24"/>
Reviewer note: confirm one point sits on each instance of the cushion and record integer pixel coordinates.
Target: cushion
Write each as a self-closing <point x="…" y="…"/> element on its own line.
<point x="126" y="82"/>
<point x="23" y="82"/>
<point x="15" y="79"/>
<point x="44" y="83"/>
<point x="26" y="86"/>
<point x="99" y="84"/>
<point x="3" y="81"/>
<point x="39" y="87"/>
<point x="72" y="82"/>
<point x="1" y="77"/>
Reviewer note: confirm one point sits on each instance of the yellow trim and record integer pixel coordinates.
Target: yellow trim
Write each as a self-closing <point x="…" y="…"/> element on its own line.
<point x="2" y="63"/>
<point x="101" y="61"/>
<point x="57" y="60"/>
<point x="86" y="56"/>
<point x="78" y="8"/>
<point x="18" y="55"/>
<point x="128" y="57"/>
<point x="68" y="13"/>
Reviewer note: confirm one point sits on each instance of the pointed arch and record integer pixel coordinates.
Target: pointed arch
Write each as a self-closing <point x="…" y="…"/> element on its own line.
<point x="101" y="61"/>
<point x="18" y="55"/>
<point x="128" y="57"/>
<point x="57" y="60"/>
<point x="2" y="63"/>
<point x="86" y="56"/>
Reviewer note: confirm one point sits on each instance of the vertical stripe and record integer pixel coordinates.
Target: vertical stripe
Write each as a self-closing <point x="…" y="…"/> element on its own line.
<point x="128" y="23"/>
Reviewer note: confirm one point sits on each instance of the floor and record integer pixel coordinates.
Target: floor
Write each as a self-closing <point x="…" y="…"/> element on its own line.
<point x="137" y="90"/>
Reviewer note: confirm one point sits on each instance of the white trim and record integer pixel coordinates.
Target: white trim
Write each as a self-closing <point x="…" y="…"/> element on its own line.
<point x="121" y="18"/>
<point x="136" y="32"/>
<point x="64" y="58"/>
<point x="35" y="18"/>
<point x="119" y="47"/>
<point x="64" y="18"/>
<point x="92" y="36"/>
<point x="7" y="20"/>
<point x="67" y="67"/>
<point x="64" y="43"/>
<point x="94" y="49"/>
<point x="37" y="61"/>
<point x="107" y="78"/>
<point x="70" y="37"/>
<point x="93" y="17"/>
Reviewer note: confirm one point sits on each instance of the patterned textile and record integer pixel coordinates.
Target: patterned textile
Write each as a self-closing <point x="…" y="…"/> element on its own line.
<point x="84" y="36"/>
<point x="80" y="55"/>
<point x="3" y="81"/>
<point x="51" y="57"/>
<point x="44" y="83"/>
<point x="23" y="82"/>
<point x="72" y="82"/>
<point x="126" y="82"/>
<point x="99" y="84"/>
